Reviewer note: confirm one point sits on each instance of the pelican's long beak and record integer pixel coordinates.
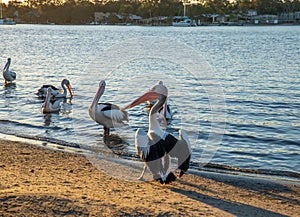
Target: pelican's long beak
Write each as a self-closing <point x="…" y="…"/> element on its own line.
<point x="70" y="90"/>
<point x="146" y="97"/>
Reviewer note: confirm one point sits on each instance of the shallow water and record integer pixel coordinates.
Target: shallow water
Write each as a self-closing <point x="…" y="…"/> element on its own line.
<point x="246" y="77"/>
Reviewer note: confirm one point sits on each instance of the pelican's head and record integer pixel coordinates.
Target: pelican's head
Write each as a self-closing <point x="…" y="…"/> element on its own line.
<point x="160" y="89"/>
<point x="153" y="94"/>
<point x="102" y="83"/>
<point x="67" y="83"/>
<point x="101" y="90"/>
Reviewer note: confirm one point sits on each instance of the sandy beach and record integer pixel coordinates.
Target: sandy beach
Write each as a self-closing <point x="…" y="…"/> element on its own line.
<point x="36" y="181"/>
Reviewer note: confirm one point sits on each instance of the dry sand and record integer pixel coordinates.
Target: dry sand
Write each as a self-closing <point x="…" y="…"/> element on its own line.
<point x="36" y="181"/>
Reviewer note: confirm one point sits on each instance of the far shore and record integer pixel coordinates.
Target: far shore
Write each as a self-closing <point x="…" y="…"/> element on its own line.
<point x="36" y="181"/>
<point x="168" y="25"/>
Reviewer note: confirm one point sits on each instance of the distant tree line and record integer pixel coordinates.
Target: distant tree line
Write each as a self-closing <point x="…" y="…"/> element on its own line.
<point x="82" y="11"/>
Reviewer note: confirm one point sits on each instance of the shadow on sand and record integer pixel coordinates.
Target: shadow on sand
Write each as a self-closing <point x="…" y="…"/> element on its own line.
<point x="262" y="186"/>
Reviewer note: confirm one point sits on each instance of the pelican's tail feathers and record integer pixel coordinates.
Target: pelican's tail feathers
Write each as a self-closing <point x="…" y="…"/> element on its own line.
<point x="125" y="116"/>
<point x="13" y="75"/>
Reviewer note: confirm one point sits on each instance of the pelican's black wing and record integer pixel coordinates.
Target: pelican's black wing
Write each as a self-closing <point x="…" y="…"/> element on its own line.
<point x="49" y="85"/>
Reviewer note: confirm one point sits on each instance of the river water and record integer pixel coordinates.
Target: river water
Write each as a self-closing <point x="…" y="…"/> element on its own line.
<point x="235" y="90"/>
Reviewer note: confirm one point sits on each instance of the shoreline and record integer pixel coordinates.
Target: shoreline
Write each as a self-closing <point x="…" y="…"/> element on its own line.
<point x="169" y="25"/>
<point x="210" y="167"/>
<point x="41" y="182"/>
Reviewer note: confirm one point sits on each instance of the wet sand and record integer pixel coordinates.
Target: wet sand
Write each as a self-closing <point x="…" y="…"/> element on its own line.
<point x="36" y="181"/>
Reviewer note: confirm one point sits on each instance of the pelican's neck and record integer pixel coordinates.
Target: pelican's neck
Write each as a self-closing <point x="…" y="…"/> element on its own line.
<point x="154" y="125"/>
<point x="160" y="102"/>
<point x="97" y="97"/>
<point x="6" y="67"/>
<point x="63" y="85"/>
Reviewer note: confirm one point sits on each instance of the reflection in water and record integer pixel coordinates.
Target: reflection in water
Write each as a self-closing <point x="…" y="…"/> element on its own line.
<point x="47" y="120"/>
<point x="115" y="142"/>
<point x="66" y="106"/>
<point x="9" y="95"/>
<point x="9" y="88"/>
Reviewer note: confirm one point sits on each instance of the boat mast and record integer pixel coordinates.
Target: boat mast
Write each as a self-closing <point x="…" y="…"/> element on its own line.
<point x="185" y="3"/>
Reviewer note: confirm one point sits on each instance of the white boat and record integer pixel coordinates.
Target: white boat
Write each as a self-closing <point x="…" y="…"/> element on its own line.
<point x="5" y="21"/>
<point x="183" y="21"/>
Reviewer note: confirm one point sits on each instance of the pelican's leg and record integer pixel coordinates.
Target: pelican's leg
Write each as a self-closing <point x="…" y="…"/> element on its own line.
<point x="143" y="172"/>
<point x="106" y="131"/>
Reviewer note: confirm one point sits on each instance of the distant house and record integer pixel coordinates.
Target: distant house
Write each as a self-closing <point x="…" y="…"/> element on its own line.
<point x="101" y="17"/>
<point x="155" y="21"/>
<point x="292" y="17"/>
<point x="206" y="19"/>
<point x="134" y="18"/>
<point x="266" y="19"/>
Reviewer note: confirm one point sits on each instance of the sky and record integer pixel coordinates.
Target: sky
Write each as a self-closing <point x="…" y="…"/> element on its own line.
<point x="4" y="1"/>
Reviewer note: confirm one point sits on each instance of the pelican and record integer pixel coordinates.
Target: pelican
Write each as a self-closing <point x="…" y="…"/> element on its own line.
<point x="8" y="75"/>
<point x="49" y="106"/>
<point x="157" y="146"/>
<point x="56" y="92"/>
<point x="106" y="114"/>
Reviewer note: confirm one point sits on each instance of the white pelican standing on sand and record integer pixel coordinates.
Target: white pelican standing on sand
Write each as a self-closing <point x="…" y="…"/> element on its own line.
<point x="8" y="75"/>
<point x="50" y="106"/>
<point x="157" y="146"/>
<point x="56" y="92"/>
<point x="106" y="114"/>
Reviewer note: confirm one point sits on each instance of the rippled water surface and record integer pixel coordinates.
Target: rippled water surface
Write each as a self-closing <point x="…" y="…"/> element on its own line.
<point x="255" y="72"/>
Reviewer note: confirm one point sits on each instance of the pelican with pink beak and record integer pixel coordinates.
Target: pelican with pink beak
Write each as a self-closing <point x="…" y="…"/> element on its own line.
<point x="106" y="114"/>
<point x="157" y="147"/>
<point x="50" y="106"/>
<point x="56" y="92"/>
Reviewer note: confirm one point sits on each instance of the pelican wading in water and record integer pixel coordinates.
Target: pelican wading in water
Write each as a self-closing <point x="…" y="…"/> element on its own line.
<point x="106" y="114"/>
<point x="56" y="92"/>
<point x="50" y="106"/>
<point x="8" y="75"/>
<point x="157" y="146"/>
